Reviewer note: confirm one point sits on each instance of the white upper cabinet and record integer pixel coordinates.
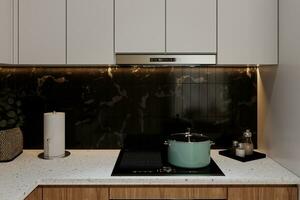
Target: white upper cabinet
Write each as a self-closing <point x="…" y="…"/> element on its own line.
<point x="6" y="31"/>
<point x="90" y="32"/>
<point x="159" y="26"/>
<point x="139" y="26"/>
<point x="42" y="32"/>
<point x="247" y="32"/>
<point x="191" y="26"/>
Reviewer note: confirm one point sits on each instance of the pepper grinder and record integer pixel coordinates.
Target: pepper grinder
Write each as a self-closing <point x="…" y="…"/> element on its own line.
<point x="248" y="145"/>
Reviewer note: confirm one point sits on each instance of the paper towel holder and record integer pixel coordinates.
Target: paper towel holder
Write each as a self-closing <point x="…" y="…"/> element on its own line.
<point x="54" y="131"/>
<point x="42" y="156"/>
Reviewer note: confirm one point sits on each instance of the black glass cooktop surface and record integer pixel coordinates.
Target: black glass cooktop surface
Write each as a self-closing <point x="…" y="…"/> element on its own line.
<point x="154" y="163"/>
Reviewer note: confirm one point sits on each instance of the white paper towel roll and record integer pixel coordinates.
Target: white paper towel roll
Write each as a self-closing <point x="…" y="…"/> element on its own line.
<point x="54" y="134"/>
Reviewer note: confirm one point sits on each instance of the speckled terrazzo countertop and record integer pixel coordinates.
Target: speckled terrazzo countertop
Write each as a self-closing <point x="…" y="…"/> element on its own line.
<point x="93" y="167"/>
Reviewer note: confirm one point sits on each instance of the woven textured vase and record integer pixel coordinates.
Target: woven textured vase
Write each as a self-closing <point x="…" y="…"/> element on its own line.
<point x="11" y="144"/>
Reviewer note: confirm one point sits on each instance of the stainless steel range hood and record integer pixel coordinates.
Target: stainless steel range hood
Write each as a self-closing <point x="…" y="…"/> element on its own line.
<point x="165" y="59"/>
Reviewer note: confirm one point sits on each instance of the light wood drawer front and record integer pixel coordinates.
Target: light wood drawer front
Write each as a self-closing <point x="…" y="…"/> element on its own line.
<point x="87" y="193"/>
<point x="75" y="193"/>
<point x="278" y="193"/>
<point x="244" y="193"/>
<point x="36" y="194"/>
<point x="263" y="193"/>
<point x="168" y="192"/>
<point x="54" y="193"/>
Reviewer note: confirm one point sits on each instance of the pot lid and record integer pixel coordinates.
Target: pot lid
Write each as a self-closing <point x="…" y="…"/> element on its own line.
<point x="189" y="137"/>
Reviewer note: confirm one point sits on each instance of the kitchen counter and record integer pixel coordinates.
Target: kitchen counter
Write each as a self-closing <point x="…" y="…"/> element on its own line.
<point x="93" y="167"/>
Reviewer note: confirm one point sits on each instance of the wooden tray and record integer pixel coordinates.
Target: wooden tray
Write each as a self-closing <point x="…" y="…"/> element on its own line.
<point x="255" y="156"/>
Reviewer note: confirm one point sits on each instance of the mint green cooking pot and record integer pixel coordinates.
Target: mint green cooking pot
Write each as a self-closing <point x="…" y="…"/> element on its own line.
<point x="189" y="150"/>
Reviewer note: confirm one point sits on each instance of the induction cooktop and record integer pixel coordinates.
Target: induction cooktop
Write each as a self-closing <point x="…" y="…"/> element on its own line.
<point x="154" y="163"/>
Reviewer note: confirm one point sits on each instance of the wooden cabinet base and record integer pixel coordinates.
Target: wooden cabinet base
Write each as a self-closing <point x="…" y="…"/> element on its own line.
<point x="87" y="193"/>
<point x="36" y="194"/>
<point x="170" y="192"/>
<point x="263" y="193"/>
<point x="256" y="192"/>
<point x="54" y="193"/>
<point x="69" y="193"/>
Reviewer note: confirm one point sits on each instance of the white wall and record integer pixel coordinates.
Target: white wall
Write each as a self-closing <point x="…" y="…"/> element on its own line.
<point x="280" y="91"/>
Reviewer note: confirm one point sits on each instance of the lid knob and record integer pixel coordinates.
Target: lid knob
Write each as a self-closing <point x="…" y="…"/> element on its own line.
<point x="188" y="130"/>
<point x="188" y="134"/>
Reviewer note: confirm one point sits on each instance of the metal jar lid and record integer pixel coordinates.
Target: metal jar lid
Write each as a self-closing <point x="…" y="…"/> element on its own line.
<point x="247" y="133"/>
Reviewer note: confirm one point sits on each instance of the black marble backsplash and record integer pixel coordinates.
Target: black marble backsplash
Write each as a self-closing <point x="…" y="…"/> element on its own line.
<point x="105" y="105"/>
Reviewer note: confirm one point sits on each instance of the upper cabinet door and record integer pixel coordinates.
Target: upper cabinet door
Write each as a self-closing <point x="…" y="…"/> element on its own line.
<point x="191" y="26"/>
<point x="139" y="26"/>
<point x="42" y="32"/>
<point x="90" y="32"/>
<point x="247" y="32"/>
<point x="6" y="31"/>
